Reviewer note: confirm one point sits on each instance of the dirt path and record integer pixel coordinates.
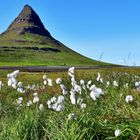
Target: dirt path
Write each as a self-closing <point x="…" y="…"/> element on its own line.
<point x="52" y="68"/>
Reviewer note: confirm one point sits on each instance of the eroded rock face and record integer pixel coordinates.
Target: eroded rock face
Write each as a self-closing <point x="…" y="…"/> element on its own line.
<point x="28" y="21"/>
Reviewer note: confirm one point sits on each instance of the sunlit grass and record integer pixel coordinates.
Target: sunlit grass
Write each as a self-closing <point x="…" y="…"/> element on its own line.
<point x="98" y="121"/>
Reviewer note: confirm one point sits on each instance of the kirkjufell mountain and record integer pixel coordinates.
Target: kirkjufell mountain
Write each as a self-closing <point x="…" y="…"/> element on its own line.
<point x="27" y="42"/>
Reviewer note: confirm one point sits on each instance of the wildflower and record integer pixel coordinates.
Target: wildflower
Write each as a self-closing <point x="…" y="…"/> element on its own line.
<point x="137" y="84"/>
<point x="12" y="79"/>
<point x="49" y="82"/>
<point x="44" y="77"/>
<point x="126" y="86"/>
<point x="95" y="92"/>
<point x="12" y="82"/>
<point x="34" y="87"/>
<point x="54" y="106"/>
<point x="115" y="84"/>
<point x="1" y="84"/>
<point x="63" y="88"/>
<point x="72" y="97"/>
<point x="79" y="101"/>
<point x="29" y="103"/>
<point x="60" y="99"/>
<point x="73" y="82"/>
<point x="49" y="104"/>
<point x="45" y="82"/>
<point x="98" y="77"/>
<point x="83" y="106"/>
<point x="129" y="98"/>
<point x="71" y="70"/>
<point x="20" y="87"/>
<point x="107" y="83"/>
<point x="58" y="81"/>
<point x="82" y="83"/>
<point x="60" y="107"/>
<point x="28" y="87"/>
<point x="19" y="101"/>
<point x="71" y="116"/>
<point x="117" y="133"/>
<point x="41" y="107"/>
<point x="53" y="99"/>
<point x="77" y="88"/>
<point x="15" y="73"/>
<point x="88" y="84"/>
<point x="35" y="99"/>
<point x="101" y="80"/>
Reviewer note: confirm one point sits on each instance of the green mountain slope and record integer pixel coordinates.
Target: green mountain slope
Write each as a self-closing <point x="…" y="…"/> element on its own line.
<point x="27" y="42"/>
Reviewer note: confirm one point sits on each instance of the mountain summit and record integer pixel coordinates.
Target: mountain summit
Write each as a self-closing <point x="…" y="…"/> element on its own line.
<point x="27" y="42"/>
<point x="28" y="21"/>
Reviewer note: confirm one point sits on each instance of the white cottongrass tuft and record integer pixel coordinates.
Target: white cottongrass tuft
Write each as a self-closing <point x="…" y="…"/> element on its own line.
<point x="82" y="83"/>
<point x="1" y="85"/>
<point x="41" y="107"/>
<point x="126" y="85"/>
<point x="115" y="84"/>
<point x="29" y="103"/>
<point x="49" y="82"/>
<point x="44" y="77"/>
<point x="71" y="70"/>
<point x="129" y="98"/>
<point x="98" y="77"/>
<point x="12" y="79"/>
<point x="71" y="116"/>
<point x="83" y="106"/>
<point x="45" y="82"/>
<point x="117" y="133"/>
<point x="88" y="84"/>
<point x="58" y="81"/>
<point x="95" y="92"/>
<point x="79" y="100"/>
<point x="137" y="85"/>
<point x="56" y="104"/>
<point x="19" y="101"/>
<point x="53" y="99"/>
<point x="35" y="99"/>
<point x="63" y="88"/>
<point x="107" y="84"/>
<point x="72" y="97"/>
<point x="60" y="107"/>
<point x="60" y="99"/>
<point x="20" y="87"/>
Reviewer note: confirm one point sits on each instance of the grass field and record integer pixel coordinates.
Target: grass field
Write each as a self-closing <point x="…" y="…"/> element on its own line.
<point x="97" y="119"/>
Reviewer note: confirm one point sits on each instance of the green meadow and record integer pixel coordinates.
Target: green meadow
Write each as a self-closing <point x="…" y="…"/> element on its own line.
<point x="98" y="121"/>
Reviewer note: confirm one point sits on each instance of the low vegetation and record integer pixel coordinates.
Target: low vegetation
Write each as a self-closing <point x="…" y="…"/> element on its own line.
<point x="96" y="104"/>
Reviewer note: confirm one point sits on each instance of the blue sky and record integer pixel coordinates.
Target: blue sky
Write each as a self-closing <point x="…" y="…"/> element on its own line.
<point x="108" y="30"/>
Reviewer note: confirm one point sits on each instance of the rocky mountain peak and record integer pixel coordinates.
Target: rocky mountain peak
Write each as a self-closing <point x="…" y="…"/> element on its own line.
<point x="28" y="22"/>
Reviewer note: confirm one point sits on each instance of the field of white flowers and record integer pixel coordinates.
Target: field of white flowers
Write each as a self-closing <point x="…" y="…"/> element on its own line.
<point x="70" y="106"/>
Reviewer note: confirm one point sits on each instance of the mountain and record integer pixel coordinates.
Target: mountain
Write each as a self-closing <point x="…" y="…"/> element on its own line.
<point x="27" y="42"/>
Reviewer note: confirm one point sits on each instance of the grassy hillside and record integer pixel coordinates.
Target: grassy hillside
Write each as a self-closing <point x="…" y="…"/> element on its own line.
<point x="31" y="49"/>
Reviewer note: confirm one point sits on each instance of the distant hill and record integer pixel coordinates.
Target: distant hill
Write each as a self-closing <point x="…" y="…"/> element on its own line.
<point x="27" y="42"/>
